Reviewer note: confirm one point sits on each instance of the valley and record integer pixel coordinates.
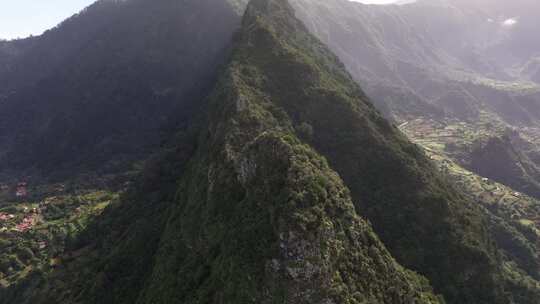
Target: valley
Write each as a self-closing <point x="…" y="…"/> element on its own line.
<point x="439" y="140"/>
<point x="37" y="230"/>
<point x="472" y="145"/>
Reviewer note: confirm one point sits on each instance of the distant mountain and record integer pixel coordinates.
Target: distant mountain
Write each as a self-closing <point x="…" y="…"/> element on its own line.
<point x="402" y="2"/>
<point x="431" y="47"/>
<point x="459" y="61"/>
<point x="108" y="85"/>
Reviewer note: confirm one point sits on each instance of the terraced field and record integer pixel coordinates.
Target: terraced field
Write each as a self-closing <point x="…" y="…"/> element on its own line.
<point x="447" y="144"/>
<point x="496" y="197"/>
<point x="35" y="230"/>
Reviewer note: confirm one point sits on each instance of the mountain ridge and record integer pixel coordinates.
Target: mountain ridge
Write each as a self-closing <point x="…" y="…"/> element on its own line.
<point x="259" y="216"/>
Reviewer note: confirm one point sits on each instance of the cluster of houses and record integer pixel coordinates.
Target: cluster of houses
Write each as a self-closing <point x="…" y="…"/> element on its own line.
<point x="27" y="223"/>
<point x="6" y="217"/>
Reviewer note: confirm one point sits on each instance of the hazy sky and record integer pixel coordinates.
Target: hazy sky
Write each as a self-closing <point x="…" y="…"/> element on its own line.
<point x="376" y="1"/>
<point x="21" y="18"/>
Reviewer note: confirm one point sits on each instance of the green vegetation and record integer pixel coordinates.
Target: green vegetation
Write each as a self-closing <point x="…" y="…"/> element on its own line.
<point x="34" y="233"/>
<point x="285" y="185"/>
<point x="514" y="218"/>
<point x="422" y="220"/>
<point x="108" y="86"/>
<point x="487" y="147"/>
<point x="258" y="216"/>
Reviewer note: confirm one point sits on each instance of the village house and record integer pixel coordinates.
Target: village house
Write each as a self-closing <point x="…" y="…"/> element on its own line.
<point x="28" y="223"/>
<point x="6" y="217"/>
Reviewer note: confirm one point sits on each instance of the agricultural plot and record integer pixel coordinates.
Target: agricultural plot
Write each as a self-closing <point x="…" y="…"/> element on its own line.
<point x="447" y="145"/>
<point x="497" y="198"/>
<point x="34" y="231"/>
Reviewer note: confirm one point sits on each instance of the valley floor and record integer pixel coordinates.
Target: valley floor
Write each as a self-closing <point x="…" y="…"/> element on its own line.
<point x="442" y="142"/>
<point x="35" y="229"/>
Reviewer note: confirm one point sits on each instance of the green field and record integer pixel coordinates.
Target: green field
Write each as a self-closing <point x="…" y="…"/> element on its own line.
<point x="35" y="231"/>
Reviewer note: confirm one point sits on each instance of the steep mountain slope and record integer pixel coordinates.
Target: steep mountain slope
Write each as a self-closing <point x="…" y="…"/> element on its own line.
<point x="259" y="216"/>
<point x="106" y="86"/>
<point x="364" y="149"/>
<point x="430" y="47"/>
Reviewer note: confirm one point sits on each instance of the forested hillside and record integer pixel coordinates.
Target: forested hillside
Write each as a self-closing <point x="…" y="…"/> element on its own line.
<point x="240" y="162"/>
<point x="108" y="85"/>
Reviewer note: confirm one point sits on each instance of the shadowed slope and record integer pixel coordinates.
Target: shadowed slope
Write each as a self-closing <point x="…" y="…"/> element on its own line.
<point x="105" y="87"/>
